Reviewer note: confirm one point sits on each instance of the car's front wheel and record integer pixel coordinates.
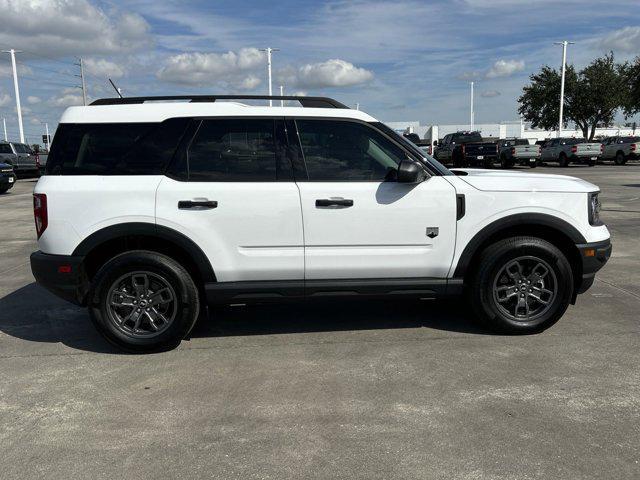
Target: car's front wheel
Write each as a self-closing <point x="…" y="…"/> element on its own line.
<point x="144" y="301"/>
<point x="523" y="285"/>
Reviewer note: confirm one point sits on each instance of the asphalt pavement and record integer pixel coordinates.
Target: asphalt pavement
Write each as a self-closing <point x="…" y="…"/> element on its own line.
<point x="371" y="390"/>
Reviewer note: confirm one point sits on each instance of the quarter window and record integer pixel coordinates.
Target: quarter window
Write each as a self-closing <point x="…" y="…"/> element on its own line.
<point x="343" y="151"/>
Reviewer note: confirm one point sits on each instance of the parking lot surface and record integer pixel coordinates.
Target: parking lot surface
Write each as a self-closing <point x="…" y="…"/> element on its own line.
<point x="354" y="390"/>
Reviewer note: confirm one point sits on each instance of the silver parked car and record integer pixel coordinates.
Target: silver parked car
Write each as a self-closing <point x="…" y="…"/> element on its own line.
<point x="518" y="150"/>
<point x="571" y="150"/>
<point x="20" y="156"/>
<point x="620" y="149"/>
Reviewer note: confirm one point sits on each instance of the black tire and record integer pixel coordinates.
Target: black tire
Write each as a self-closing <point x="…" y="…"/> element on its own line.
<point x="484" y="288"/>
<point x="504" y="163"/>
<point x="563" y="160"/>
<point x="4" y="190"/>
<point x="591" y="163"/>
<point x="487" y="163"/>
<point x="533" y="165"/>
<point x="169" y="276"/>
<point x="619" y="159"/>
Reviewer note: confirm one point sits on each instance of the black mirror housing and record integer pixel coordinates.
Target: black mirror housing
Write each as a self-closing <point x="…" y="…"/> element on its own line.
<point x="435" y="143"/>
<point x="410" y="172"/>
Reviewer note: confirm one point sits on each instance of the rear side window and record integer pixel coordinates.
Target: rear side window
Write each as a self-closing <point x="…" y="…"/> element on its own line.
<point x="629" y="139"/>
<point x="342" y="151"/>
<point x="114" y="149"/>
<point x="5" y="148"/>
<point x="21" y="148"/>
<point x="235" y="150"/>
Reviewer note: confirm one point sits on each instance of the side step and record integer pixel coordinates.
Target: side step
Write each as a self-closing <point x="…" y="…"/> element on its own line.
<point x="281" y="290"/>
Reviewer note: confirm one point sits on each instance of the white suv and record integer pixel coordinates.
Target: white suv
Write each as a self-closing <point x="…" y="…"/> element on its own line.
<point x="152" y="208"/>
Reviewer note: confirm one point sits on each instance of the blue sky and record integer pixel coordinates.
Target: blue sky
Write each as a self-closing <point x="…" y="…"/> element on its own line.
<point x="407" y="60"/>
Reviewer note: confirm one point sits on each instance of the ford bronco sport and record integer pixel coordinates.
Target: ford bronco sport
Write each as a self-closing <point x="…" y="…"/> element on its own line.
<point x="152" y="208"/>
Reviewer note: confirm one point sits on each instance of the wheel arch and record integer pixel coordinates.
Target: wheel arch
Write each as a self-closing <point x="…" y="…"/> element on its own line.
<point x="547" y="227"/>
<point x="104" y="244"/>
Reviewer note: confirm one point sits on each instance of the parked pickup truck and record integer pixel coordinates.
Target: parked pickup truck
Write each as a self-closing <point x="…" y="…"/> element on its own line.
<point x="466" y="148"/>
<point x="20" y="156"/>
<point x="518" y="150"/>
<point x="571" y="150"/>
<point x="620" y="149"/>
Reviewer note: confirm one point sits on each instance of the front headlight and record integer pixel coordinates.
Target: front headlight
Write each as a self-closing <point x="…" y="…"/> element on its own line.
<point x="594" y="209"/>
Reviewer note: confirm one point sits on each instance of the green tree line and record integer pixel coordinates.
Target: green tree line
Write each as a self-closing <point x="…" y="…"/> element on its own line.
<point x="593" y="95"/>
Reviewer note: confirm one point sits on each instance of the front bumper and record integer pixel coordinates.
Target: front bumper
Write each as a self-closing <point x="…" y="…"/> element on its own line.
<point x="594" y="256"/>
<point x="7" y="180"/>
<point x="62" y="275"/>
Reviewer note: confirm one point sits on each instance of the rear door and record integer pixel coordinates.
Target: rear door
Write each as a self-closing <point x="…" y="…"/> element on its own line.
<point x="358" y="221"/>
<point x="233" y="194"/>
<point x="6" y="154"/>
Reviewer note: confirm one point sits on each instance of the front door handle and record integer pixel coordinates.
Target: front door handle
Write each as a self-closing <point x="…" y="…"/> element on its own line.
<point x="197" y="204"/>
<point x="334" y="203"/>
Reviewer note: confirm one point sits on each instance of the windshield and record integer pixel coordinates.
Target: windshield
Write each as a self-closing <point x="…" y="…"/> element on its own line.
<point x="428" y="159"/>
<point x="21" y="148"/>
<point x="468" y="138"/>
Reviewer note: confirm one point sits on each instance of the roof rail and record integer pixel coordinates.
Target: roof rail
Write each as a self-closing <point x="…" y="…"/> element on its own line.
<point x="307" y="102"/>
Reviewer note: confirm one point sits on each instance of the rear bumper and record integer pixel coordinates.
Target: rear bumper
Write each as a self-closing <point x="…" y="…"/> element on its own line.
<point x="594" y="256"/>
<point x="62" y="275"/>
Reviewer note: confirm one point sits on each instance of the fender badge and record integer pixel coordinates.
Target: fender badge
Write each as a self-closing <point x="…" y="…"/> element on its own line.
<point x="432" y="232"/>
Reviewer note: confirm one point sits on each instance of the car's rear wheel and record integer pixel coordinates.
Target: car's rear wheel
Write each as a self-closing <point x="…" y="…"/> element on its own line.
<point x="619" y="159"/>
<point x="144" y="302"/>
<point x="563" y="160"/>
<point x="523" y="285"/>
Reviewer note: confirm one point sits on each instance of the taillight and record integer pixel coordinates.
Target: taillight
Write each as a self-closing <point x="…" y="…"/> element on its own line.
<point x="37" y="160"/>
<point x="513" y="150"/>
<point x="601" y="148"/>
<point x="633" y="147"/>
<point x="539" y="149"/>
<point x="574" y="149"/>
<point x="462" y="149"/>
<point x="40" y="213"/>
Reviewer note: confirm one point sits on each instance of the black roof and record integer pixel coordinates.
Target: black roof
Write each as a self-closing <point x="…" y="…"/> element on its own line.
<point x="307" y="102"/>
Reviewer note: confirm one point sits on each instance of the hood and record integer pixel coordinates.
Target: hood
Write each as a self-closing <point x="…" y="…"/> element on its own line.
<point x="513" y="181"/>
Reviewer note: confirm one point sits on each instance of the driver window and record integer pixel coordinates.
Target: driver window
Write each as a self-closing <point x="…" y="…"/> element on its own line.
<point x="343" y="151"/>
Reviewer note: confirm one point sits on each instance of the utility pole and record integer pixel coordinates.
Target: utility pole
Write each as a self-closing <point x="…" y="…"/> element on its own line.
<point x="84" y="85"/>
<point x="13" y="52"/>
<point x="282" y="95"/>
<point x="471" y="112"/>
<point x="357" y="106"/>
<point x="564" y="44"/>
<point x="269" y="51"/>
<point x="4" y="126"/>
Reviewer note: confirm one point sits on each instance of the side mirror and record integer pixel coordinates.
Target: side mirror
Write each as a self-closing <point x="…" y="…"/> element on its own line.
<point x="410" y="172"/>
<point x="435" y="143"/>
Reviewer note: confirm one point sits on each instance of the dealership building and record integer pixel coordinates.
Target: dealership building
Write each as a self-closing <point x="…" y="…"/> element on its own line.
<point x="514" y="129"/>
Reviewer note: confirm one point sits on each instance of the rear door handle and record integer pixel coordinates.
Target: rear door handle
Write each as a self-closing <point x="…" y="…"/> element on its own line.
<point x="334" y="202"/>
<point x="197" y="204"/>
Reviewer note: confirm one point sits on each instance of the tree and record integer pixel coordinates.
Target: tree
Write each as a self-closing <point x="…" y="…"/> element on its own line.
<point x="631" y="74"/>
<point x="592" y="96"/>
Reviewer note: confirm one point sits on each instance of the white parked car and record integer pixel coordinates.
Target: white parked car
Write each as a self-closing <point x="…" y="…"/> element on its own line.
<point x="150" y="210"/>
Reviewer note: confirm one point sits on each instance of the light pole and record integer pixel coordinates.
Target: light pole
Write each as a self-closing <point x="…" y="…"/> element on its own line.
<point x="564" y="44"/>
<point x="471" y="111"/>
<point x="282" y="95"/>
<point x="12" y="52"/>
<point x="269" y="51"/>
<point x="4" y="126"/>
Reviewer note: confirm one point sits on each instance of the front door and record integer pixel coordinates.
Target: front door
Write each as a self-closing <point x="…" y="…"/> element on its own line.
<point x="358" y="221"/>
<point x="233" y="194"/>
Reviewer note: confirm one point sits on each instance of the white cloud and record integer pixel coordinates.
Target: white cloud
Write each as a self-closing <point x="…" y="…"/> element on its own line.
<point x="5" y="100"/>
<point x="103" y="68"/>
<point x="35" y="121"/>
<point x="624" y="40"/>
<point x="235" y="70"/>
<point x="469" y="75"/>
<point x="332" y="73"/>
<point x="66" y="98"/>
<point x="505" y="68"/>
<point x="7" y="71"/>
<point x="490" y="93"/>
<point x="33" y="100"/>
<point x="70" y="27"/>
